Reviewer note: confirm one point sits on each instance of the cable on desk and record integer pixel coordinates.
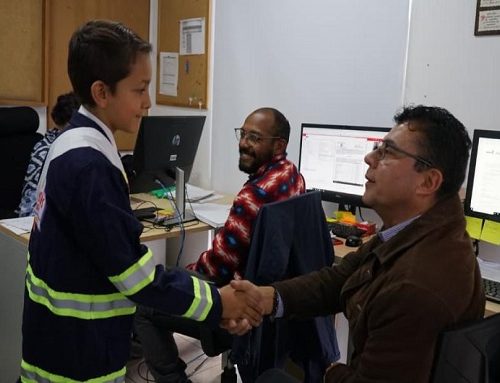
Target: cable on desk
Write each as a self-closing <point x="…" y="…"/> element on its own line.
<point x="181" y="224"/>
<point x="360" y="214"/>
<point x="199" y="365"/>
<point x="140" y="205"/>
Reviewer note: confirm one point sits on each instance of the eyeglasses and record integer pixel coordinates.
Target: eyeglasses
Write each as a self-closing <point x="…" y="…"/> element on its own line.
<point x="251" y="138"/>
<point x="381" y="149"/>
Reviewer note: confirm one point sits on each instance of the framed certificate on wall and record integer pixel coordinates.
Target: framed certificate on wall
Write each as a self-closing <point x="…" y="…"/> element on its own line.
<point x="487" y="18"/>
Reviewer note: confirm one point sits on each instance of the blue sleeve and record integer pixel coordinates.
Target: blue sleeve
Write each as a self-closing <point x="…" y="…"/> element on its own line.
<point x="111" y="235"/>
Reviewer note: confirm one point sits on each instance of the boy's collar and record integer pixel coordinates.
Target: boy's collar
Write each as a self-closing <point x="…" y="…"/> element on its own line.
<point x="84" y="111"/>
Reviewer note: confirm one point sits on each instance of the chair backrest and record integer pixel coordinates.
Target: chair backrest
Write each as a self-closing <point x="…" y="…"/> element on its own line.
<point x="290" y="238"/>
<point x="469" y="354"/>
<point x="18" y="135"/>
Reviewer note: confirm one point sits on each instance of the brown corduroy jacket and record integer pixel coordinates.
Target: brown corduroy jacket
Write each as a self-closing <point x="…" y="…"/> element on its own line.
<point x="397" y="296"/>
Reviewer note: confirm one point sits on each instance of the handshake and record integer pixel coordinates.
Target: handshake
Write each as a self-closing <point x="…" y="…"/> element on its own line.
<point x="244" y="304"/>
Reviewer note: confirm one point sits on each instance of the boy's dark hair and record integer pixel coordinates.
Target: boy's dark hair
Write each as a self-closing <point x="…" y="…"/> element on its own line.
<point x="443" y="141"/>
<point x="281" y="124"/>
<point x="63" y="109"/>
<point x="102" y="50"/>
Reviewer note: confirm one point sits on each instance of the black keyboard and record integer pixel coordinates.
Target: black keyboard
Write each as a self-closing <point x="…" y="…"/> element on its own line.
<point x="344" y="230"/>
<point x="492" y="290"/>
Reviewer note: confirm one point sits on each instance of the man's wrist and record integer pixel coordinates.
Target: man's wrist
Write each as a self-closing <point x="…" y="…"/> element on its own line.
<point x="268" y="293"/>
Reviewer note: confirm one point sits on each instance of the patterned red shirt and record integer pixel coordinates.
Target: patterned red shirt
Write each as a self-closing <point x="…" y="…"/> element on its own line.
<point x="226" y="260"/>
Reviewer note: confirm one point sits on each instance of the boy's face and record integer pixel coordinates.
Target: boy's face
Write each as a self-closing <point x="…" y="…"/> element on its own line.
<point x="130" y="101"/>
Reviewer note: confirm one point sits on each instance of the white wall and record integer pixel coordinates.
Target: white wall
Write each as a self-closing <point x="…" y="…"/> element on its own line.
<point x="319" y="61"/>
<point x="448" y="66"/>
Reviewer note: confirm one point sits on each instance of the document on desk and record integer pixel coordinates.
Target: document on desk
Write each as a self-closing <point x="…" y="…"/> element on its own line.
<point x="19" y="226"/>
<point x="197" y="194"/>
<point x="489" y="270"/>
<point x="213" y="214"/>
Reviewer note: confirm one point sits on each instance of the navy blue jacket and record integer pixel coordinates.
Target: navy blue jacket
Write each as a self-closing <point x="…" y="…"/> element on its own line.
<point x="290" y="238"/>
<point x="87" y="268"/>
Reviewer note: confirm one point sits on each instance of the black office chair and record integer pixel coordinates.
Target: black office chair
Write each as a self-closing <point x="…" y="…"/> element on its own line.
<point x="290" y="237"/>
<point x="469" y="354"/>
<point x="18" y="126"/>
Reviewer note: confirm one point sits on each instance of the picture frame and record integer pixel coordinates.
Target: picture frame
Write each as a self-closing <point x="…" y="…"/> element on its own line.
<point x="487" y="18"/>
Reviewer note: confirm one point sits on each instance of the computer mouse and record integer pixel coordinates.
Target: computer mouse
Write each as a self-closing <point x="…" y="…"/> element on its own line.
<point x="353" y="241"/>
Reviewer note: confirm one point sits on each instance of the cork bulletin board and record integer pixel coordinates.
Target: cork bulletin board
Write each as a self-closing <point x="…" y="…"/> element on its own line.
<point x="182" y="77"/>
<point x="23" y="66"/>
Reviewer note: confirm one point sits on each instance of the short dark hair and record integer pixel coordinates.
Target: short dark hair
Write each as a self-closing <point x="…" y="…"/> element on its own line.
<point x="444" y="141"/>
<point x="281" y="124"/>
<point x="102" y="50"/>
<point x="64" y="107"/>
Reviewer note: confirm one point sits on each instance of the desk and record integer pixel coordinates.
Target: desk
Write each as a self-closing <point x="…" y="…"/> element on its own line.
<point x="13" y="250"/>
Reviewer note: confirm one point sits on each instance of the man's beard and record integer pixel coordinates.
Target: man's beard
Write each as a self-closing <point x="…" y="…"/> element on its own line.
<point x="248" y="168"/>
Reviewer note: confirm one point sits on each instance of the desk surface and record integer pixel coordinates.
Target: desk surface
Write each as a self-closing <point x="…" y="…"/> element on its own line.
<point x="149" y="233"/>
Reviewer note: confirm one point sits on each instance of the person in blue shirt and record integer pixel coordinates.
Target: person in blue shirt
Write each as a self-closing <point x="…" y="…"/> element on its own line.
<point x="66" y="104"/>
<point x="86" y="268"/>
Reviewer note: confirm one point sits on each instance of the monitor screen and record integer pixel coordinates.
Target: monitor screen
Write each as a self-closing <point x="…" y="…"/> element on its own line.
<point x="483" y="183"/>
<point x="332" y="160"/>
<point x="164" y="143"/>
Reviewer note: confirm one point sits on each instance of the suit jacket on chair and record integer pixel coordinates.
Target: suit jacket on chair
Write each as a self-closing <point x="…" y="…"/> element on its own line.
<point x="290" y="238"/>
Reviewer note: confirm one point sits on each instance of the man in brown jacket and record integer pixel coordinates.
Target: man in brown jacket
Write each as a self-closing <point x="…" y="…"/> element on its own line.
<point x="415" y="278"/>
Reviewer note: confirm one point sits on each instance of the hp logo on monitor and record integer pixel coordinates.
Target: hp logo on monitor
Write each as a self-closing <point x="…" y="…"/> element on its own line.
<point x="176" y="140"/>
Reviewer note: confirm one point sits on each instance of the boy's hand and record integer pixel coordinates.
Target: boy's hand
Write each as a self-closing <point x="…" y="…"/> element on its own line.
<point x="243" y="303"/>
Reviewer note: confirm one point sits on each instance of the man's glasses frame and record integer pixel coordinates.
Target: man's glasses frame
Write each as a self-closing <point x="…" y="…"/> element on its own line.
<point x="252" y="138"/>
<point x="380" y="148"/>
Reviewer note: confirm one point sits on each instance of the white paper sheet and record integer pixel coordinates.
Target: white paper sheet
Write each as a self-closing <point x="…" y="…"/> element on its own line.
<point x="19" y="226"/>
<point x="213" y="214"/>
<point x="169" y="73"/>
<point x="192" y="36"/>
<point x="489" y="270"/>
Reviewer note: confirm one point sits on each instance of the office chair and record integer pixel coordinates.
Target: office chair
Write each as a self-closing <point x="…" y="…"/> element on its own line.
<point x="290" y="238"/>
<point x="469" y="354"/>
<point x="18" y="126"/>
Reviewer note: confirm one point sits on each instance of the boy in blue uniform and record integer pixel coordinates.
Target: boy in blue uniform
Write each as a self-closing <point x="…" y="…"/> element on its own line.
<point x="86" y="266"/>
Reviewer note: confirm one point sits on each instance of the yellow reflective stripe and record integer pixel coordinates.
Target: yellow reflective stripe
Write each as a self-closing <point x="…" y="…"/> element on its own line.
<point x="33" y="374"/>
<point x="196" y="300"/>
<point x="137" y="276"/>
<point x="82" y="306"/>
<point x="209" y="305"/>
<point x="202" y="301"/>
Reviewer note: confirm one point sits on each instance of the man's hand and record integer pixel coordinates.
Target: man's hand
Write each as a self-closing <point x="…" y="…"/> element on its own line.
<point x="242" y="303"/>
<point x="262" y="296"/>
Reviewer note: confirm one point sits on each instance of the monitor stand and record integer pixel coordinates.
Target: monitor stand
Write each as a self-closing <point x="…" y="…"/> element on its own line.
<point x="182" y="215"/>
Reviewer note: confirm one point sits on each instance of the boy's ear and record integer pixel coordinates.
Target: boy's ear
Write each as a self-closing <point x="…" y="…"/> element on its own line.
<point x="99" y="92"/>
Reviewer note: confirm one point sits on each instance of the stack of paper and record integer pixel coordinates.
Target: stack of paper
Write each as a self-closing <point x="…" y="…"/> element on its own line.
<point x="196" y="194"/>
<point x="213" y="214"/>
<point x="489" y="270"/>
<point x="18" y="225"/>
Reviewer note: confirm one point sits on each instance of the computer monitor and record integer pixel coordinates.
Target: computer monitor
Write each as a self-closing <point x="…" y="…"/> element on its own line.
<point x="332" y="160"/>
<point x="483" y="183"/>
<point x="164" y="143"/>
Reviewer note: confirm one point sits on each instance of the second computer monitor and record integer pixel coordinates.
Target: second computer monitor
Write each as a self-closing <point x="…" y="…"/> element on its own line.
<point x="164" y="143"/>
<point x="332" y="160"/>
<point x="483" y="184"/>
